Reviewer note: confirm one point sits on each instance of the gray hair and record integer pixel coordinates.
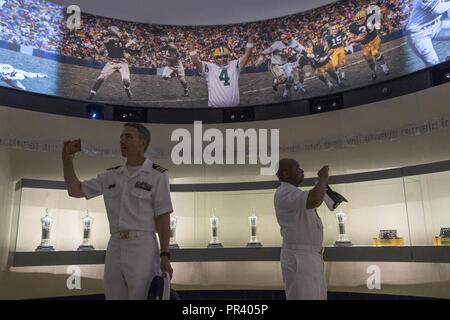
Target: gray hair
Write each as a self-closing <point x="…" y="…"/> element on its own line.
<point x="144" y="133"/>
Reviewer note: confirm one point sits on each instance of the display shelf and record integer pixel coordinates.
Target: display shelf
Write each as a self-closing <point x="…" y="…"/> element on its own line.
<point x="412" y="200"/>
<point x="359" y="253"/>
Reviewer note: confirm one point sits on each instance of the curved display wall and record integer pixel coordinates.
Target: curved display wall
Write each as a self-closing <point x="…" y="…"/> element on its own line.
<point x="49" y="49"/>
<point x="394" y="171"/>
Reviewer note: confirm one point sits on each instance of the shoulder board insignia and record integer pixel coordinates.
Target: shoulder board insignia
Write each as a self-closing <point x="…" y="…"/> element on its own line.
<point x="114" y="168"/>
<point x="159" y="168"/>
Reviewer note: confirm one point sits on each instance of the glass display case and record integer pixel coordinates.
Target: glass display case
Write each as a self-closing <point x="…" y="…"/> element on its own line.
<point x="384" y="208"/>
<point x="393" y="219"/>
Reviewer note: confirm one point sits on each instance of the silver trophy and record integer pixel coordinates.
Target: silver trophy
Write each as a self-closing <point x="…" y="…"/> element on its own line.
<point x="173" y="228"/>
<point x="253" y="221"/>
<point x="214" y="243"/>
<point x="342" y="241"/>
<point x="87" y="222"/>
<point x="46" y="226"/>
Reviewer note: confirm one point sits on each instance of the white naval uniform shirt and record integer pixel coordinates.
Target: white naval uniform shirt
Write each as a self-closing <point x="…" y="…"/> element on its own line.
<point x="223" y="83"/>
<point x="132" y="201"/>
<point x="298" y="225"/>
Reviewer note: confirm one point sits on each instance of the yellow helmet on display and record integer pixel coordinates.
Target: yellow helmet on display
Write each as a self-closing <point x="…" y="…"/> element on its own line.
<point x="221" y="52"/>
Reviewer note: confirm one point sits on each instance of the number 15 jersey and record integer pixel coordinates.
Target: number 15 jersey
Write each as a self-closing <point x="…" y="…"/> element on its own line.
<point x="223" y="83"/>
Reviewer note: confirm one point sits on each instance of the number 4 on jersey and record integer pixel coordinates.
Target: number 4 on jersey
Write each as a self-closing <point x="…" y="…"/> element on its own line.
<point x="224" y="77"/>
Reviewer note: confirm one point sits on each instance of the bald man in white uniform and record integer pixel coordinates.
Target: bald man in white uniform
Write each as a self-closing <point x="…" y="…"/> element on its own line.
<point x="301" y="228"/>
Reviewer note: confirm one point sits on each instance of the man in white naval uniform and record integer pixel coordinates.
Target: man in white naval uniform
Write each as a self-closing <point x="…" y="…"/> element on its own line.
<point x="138" y="205"/>
<point x="301" y="257"/>
<point x="426" y="24"/>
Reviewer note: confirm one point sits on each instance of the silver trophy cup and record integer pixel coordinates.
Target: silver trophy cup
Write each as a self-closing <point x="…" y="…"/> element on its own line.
<point x="87" y="222"/>
<point x="253" y="221"/>
<point x="214" y="243"/>
<point x="173" y="228"/>
<point x="342" y="241"/>
<point x="46" y="227"/>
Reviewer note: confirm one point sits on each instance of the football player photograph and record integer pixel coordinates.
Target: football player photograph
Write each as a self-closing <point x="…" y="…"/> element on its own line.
<point x="13" y="76"/>
<point x="426" y="23"/>
<point x="174" y="64"/>
<point x="364" y="31"/>
<point x="116" y="50"/>
<point x="222" y="75"/>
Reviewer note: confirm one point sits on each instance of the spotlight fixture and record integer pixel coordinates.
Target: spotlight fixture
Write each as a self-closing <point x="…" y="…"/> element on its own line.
<point x="127" y="114"/>
<point x="94" y="111"/>
<point x="386" y="91"/>
<point x="238" y="114"/>
<point x="441" y="73"/>
<point x="325" y="104"/>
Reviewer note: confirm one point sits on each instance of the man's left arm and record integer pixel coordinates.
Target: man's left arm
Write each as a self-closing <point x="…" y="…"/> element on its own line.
<point x="162" y="206"/>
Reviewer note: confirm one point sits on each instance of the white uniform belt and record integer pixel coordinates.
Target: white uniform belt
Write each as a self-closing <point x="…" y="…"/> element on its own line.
<point x="125" y="235"/>
<point x="304" y="247"/>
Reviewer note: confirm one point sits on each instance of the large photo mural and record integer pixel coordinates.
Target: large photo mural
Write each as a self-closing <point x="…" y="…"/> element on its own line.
<point x="332" y="48"/>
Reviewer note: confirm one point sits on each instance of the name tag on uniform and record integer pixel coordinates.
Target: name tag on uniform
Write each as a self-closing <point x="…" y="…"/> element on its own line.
<point x="111" y="186"/>
<point x="143" y="185"/>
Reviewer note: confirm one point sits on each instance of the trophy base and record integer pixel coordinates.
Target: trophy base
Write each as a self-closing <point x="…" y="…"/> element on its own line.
<point x="86" y="248"/>
<point x="398" y="242"/>
<point x="45" y="248"/>
<point x="215" y="245"/>
<point x="438" y="241"/>
<point x="174" y="246"/>
<point x="254" y="245"/>
<point x="343" y="244"/>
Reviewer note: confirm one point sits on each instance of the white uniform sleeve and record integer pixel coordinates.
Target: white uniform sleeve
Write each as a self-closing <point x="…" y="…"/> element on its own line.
<point x="294" y="200"/>
<point x="27" y="74"/>
<point x="161" y="196"/>
<point x="93" y="187"/>
<point x="271" y="49"/>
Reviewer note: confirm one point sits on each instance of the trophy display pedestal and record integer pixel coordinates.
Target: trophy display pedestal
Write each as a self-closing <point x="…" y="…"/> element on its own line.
<point x="45" y="248"/>
<point x="398" y="242"/>
<point x="174" y="246"/>
<point x="343" y="244"/>
<point x="86" y="248"/>
<point x="254" y="245"/>
<point x="215" y="245"/>
<point x="439" y="241"/>
<point x="443" y="239"/>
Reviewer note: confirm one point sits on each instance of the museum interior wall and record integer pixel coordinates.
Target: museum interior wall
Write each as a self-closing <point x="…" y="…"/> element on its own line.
<point x="400" y="132"/>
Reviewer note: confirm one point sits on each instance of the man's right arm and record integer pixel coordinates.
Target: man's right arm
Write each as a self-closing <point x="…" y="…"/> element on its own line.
<point x="73" y="184"/>
<point x="317" y="194"/>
